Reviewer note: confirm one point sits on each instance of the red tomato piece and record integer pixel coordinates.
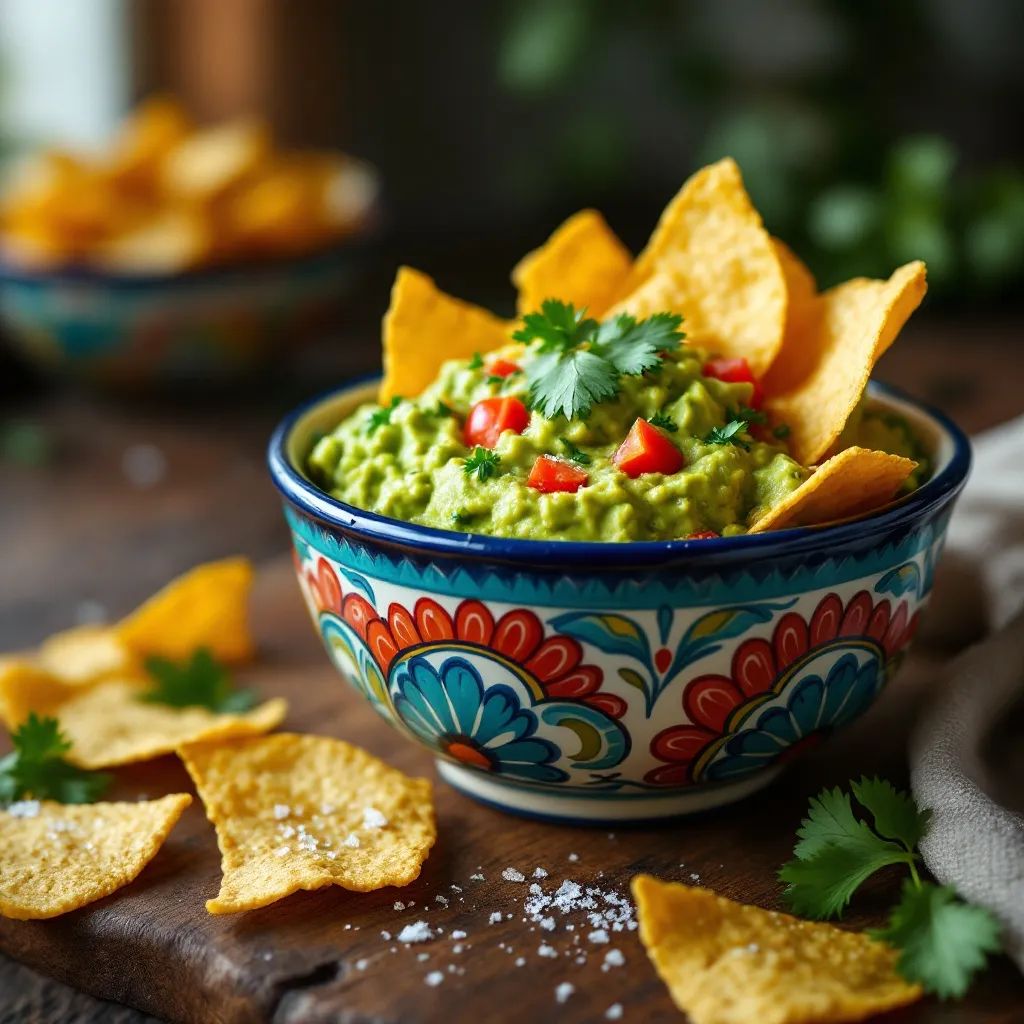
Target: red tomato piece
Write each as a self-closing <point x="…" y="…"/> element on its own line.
<point x="735" y="371"/>
<point x="490" y="417"/>
<point x="502" y="368"/>
<point x="549" y="474"/>
<point x="702" y="535"/>
<point x="647" y="450"/>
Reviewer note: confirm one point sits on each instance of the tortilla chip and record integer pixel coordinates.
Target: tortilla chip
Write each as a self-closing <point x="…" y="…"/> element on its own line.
<point x="829" y="352"/>
<point x="727" y="963"/>
<point x="583" y="263"/>
<point x="109" y="725"/>
<point x="83" y="654"/>
<point x="296" y="812"/>
<point x="853" y="482"/>
<point x="206" y="607"/>
<point x="207" y="163"/>
<point x="55" y="858"/>
<point x="711" y="260"/>
<point x="424" y="327"/>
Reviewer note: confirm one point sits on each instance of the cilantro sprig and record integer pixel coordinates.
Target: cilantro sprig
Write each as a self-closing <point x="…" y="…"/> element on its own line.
<point x="574" y="454"/>
<point x="36" y="768"/>
<point x="581" y="361"/>
<point x="482" y="463"/>
<point x="199" y="682"/>
<point x="731" y="433"/>
<point x="663" y="421"/>
<point x="941" y="940"/>
<point x="382" y="417"/>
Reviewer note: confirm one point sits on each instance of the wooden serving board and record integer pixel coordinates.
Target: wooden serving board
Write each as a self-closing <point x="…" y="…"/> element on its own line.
<point x="320" y="957"/>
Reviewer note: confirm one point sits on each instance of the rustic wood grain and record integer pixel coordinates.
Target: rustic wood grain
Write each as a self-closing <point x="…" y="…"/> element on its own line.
<point x="78" y="531"/>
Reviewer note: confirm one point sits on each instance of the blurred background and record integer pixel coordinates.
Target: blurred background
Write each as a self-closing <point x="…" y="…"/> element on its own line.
<point x="869" y="132"/>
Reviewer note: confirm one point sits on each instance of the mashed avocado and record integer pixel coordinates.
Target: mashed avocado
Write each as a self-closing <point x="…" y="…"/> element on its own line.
<point x="409" y="461"/>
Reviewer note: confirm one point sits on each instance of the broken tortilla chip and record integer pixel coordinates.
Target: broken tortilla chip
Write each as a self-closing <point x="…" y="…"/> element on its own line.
<point x="830" y="349"/>
<point x="304" y="812"/>
<point x="727" y="963"/>
<point x="582" y="263"/>
<point x="855" y="481"/>
<point x="83" y="654"/>
<point x="711" y="260"/>
<point x="424" y="328"/>
<point x="206" y="607"/>
<point x="55" y="857"/>
<point x="108" y="724"/>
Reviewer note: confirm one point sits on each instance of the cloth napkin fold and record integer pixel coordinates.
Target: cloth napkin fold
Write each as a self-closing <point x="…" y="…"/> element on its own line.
<point x="967" y="749"/>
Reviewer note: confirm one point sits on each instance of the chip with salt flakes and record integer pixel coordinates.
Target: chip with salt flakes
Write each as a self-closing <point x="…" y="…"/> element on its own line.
<point x="108" y="724"/>
<point x="207" y="607"/>
<point x="55" y="858"/>
<point x="304" y="812"/>
<point x="583" y="263"/>
<point x="711" y="260"/>
<point x="829" y="352"/>
<point x="424" y="327"/>
<point x="856" y="480"/>
<point x="728" y="963"/>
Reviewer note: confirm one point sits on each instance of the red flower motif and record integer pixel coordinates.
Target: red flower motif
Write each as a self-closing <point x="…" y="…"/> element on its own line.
<point x="711" y="700"/>
<point x="555" y="662"/>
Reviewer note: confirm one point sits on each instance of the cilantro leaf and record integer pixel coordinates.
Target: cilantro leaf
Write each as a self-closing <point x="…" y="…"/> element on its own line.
<point x="442" y="409"/>
<point x="37" y="768"/>
<point x="663" y="421"/>
<point x="382" y="416"/>
<point x="731" y="433"/>
<point x="199" y="682"/>
<point x="482" y="463"/>
<point x="569" y="384"/>
<point x="895" y="814"/>
<point x="942" y="941"/>
<point x="633" y="346"/>
<point x="744" y="412"/>
<point x="559" y="327"/>
<point x="476" y="362"/>
<point x="574" y="454"/>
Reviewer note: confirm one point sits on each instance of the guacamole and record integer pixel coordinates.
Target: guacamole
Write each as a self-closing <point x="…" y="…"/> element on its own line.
<point x="411" y="460"/>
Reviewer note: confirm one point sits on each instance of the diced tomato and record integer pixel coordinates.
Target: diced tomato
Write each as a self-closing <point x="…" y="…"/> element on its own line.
<point x="647" y="450"/>
<point x="550" y="474"/>
<point x="702" y="535"/>
<point x="735" y="371"/>
<point x="502" y="368"/>
<point x="490" y="417"/>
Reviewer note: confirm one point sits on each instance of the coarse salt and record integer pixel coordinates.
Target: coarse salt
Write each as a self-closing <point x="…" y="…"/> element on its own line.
<point x="563" y="991"/>
<point x="24" y="809"/>
<point x="372" y="818"/>
<point x="545" y="950"/>
<point x="434" y="978"/>
<point x="614" y="1012"/>
<point x="281" y="811"/>
<point x="512" y="875"/>
<point x="418" y="932"/>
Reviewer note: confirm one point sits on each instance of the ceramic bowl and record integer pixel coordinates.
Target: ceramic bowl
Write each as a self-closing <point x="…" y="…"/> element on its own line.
<point x="194" y="327"/>
<point x="602" y="683"/>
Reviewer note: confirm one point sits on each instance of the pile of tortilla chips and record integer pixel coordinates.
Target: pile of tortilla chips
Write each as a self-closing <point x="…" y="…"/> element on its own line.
<point x="741" y="292"/>
<point x="169" y="196"/>
<point x="350" y="819"/>
<point x="728" y="963"/>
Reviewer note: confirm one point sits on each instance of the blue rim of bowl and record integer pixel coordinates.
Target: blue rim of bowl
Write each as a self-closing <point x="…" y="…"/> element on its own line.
<point x="308" y="498"/>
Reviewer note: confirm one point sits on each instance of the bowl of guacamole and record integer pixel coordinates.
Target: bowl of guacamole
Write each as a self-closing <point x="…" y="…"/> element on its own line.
<point x="614" y="644"/>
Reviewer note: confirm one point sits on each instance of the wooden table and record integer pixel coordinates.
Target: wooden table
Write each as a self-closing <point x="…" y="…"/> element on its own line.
<point x="79" y="535"/>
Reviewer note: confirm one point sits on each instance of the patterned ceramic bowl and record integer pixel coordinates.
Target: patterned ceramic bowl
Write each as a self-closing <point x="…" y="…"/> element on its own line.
<point x="194" y="327"/>
<point x="615" y="682"/>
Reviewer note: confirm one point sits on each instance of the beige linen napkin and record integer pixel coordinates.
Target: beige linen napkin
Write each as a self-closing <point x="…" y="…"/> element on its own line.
<point x="967" y="749"/>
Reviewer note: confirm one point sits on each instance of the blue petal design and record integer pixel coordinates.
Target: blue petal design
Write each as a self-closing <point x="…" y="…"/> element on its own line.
<point x="359" y="582"/>
<point x="901" y="580"/>
<point x="665" y="616"/>
<point x="607" y="631"/>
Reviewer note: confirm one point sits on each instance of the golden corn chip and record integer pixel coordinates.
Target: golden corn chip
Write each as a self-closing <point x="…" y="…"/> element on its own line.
<point x="207" y="163"/>
<point x="711" y="260"/>
<point x="152" y="130"/>
<point x="304" y="812"/>
<point x="830" y="351"/>
<point x="583" y="263"/>
<point x="83" y="654"/>
<point x="166" y="242"/>
<point x="206" y="607"/>
<point x="108" y="724"/>
<point x="57" y="857"/>
<point x="727" y="963"/>
<point x="424" y="327"/>
<point x="853" y="482"/>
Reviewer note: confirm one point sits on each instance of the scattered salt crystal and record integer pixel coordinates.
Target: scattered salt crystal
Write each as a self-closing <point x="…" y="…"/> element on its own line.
<point x="547" y="923"/>
<point x="613" y="958"/>
<point x="477" y="878"/>
<point x="327" y="808"/>
<point x="456" y="888"/>
<point x="563" y="991"/>
<point x="539" y="873"/>
<point x="282" y="851"/>
<point x="331" y="854"/>
<point x="24" y="809"/>
<point x="695" y="876"/>
<point x="520" y="961"/>
<point x="581" y="959"/>
<point x="512" y="875"/>
<point x="362" y="964"/>
<point x="285" y="831"/>
<point x="443" y="900"/>
<point x="495" y="917"/>
<point x="422" y="957"/>
<point x="385" y="935"/>
<point x="434" y="978"/>
<point x="458" y="947"/>
<point x="398" y="905"/>
<point x="372" y="818"/>
<point x="458" y="934"/>
<point x="545" y="950"/>
<point x="281" y="811"/>
<point x="418" y="932"/>
<point x="574" y="857"/>
<point x="614" y="1012"/>
<point x="599" y="935"/>
<point x="351" y="841"/>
